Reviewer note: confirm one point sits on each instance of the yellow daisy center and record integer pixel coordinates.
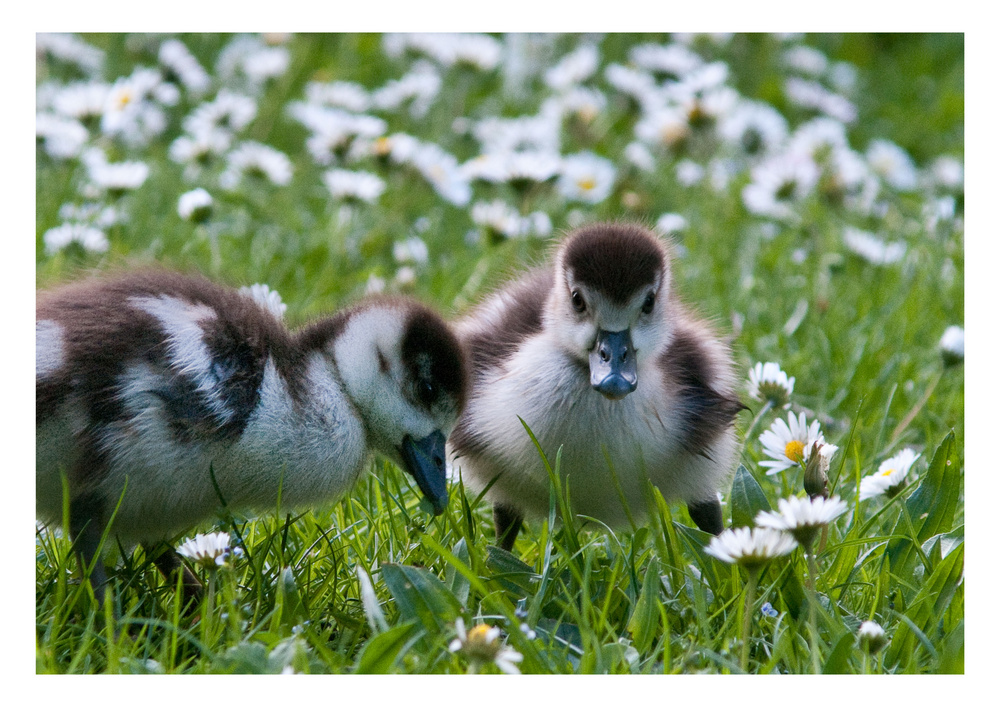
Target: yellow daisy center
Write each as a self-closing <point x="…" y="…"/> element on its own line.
<point x="586" y="184"/>
<point x="478" y="632"/>
<point x="382" y="146"/>
<point x="888" y="472"/>
<point x="794" y="449"/>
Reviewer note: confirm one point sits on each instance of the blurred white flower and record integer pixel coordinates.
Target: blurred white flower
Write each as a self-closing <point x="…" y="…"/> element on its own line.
<point x="114" y="177"/>
<point x="586" y="177"/>
<point x="639" y="155"/>
<point x="179" y="61"/>
<point x="359" y="185"/>
<point x="411" y="250"/>
<point x="62" y="137"/>
<point x="195" y="205"/>
<point x="754" y="128"/>
<point x="482" y="645"/>
<point x="573" y="69"/>
<point x="892" y="163"/>
<point x="254" y="158"/>
<point x="815" y="96"/>
<point x="871" y="636"/>
<point x="666" y="127"/>
<point x="671" y="223"/>
<point x="70" y="48"/>
<point x="339" y="94"/>
<point x="769" y="382"/>
<point x="952" y="344"/>
<point x="669" y="60"/>
<point x="948" y="172"/>
<point x="871" y="248"/>
<point x="806" y="60"/>
<point x="420" y="86"/>
<point x="90" y="238"/>
<point x="778" y="183"/>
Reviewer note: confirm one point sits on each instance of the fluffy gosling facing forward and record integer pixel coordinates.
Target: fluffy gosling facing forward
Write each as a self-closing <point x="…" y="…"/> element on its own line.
<point x="596" y="354"/>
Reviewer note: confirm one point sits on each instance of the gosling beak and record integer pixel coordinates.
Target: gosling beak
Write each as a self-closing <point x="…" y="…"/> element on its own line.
<point x="424" y="460"/>
<point x="612" y="364"/>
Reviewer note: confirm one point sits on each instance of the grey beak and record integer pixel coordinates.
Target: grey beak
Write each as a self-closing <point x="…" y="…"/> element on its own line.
<point x="612" y="364"/>
<point x="424" y="460"/>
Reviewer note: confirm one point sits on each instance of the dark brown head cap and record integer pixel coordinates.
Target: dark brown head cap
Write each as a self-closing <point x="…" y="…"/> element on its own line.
<point x="614" y="259"/>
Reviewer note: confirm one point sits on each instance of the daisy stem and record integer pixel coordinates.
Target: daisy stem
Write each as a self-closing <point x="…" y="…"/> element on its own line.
<point x="813" y="600"/>
<point x="751" y="590"/>
<point x="208" y="611"/>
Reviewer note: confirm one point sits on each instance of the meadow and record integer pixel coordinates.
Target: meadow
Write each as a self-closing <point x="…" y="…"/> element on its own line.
<point x="812" y="187"/>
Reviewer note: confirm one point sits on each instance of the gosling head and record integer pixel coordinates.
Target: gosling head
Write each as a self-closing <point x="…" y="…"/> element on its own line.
<point x="405" y="372"/>
<point x="608" y="305"/>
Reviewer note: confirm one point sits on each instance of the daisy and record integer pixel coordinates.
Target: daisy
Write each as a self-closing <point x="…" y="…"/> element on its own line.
<point x="90" y="238"/>
<point x="81" y="100"/>
<point x="815" y="96"/>
<point x="890" y="477"/>
<point x="791" y="443"/>
<point x="267" y="298"/>
<point x="179" y="61"/>
<point x="339" y="94"/>
<point x="778" y="183"/>
<point x="871" y="636"/>
<point x="952" y="345"/>
<point x="892" y="163"/>
<point x="586" y="177"/>
<point x="411" y="250"/>
<point x="639" y="155"/>
<point x="210" y="551"/>
<point x="62" y="138"/>
<point x="359" y="185"/>
<point x="750" y="547"/>
<point x="497" y="217"/>
<point x="228" y="110"/>
<point x="638" y="85"/>
<point x="667" y="126"/>
<point x="754" y="128"/>
<point x="806" y="60"/>
<point x="195" y="205"/>
<point x="420" y="86"/>
<point x="769" y="382"/>
<point x="948" y="172"/>
<point x="573" y="69"/>
<point x="114" y="177"/>
<point x="671" y="223"/>
<point x="802" y="518"/>
<point x="71" y="49"/>
<point x="481" y="645"/>
<point x="872" y="248"/>
<point x="670" y="61"/>
<point x="256" y="158"/>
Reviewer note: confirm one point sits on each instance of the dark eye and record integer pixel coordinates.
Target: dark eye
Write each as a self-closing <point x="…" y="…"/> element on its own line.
<point x="427" y="392"/>
<point x="578" y="304"/>
<point x="647" y="305"/>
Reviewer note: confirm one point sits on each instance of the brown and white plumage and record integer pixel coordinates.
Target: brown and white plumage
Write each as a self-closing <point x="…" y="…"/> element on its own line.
<point x="148" y="384"/>
<point x="598" y="356"/>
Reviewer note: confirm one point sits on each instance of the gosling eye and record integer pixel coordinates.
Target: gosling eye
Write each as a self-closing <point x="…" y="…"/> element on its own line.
<point x="647" y="305"/>
<point x="427" y="392"/>
<point x="578" y="303"/>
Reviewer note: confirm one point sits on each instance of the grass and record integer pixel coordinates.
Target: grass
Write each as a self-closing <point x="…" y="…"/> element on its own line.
<point x="860" y="339"/>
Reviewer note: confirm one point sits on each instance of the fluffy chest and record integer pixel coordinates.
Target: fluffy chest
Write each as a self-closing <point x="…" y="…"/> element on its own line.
<point x="540" y="384"/>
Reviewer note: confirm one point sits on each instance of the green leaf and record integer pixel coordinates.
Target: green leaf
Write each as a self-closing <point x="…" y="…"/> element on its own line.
<point x="454" y="580"/>
<point x="929" y="605"/>
<point x="510" y="571"/>
<point x="420" y="595"/>
<point x="645" y="618"/>
<point x="931" y="508"/>
<point x="747" y="499"/>
<point x="382" y="652"/>
<point x="836" y="662"/>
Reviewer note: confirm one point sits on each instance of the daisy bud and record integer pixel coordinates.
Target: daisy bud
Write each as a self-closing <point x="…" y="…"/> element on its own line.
<point x="816" y="481"/>
<point x="871" y="636"/>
